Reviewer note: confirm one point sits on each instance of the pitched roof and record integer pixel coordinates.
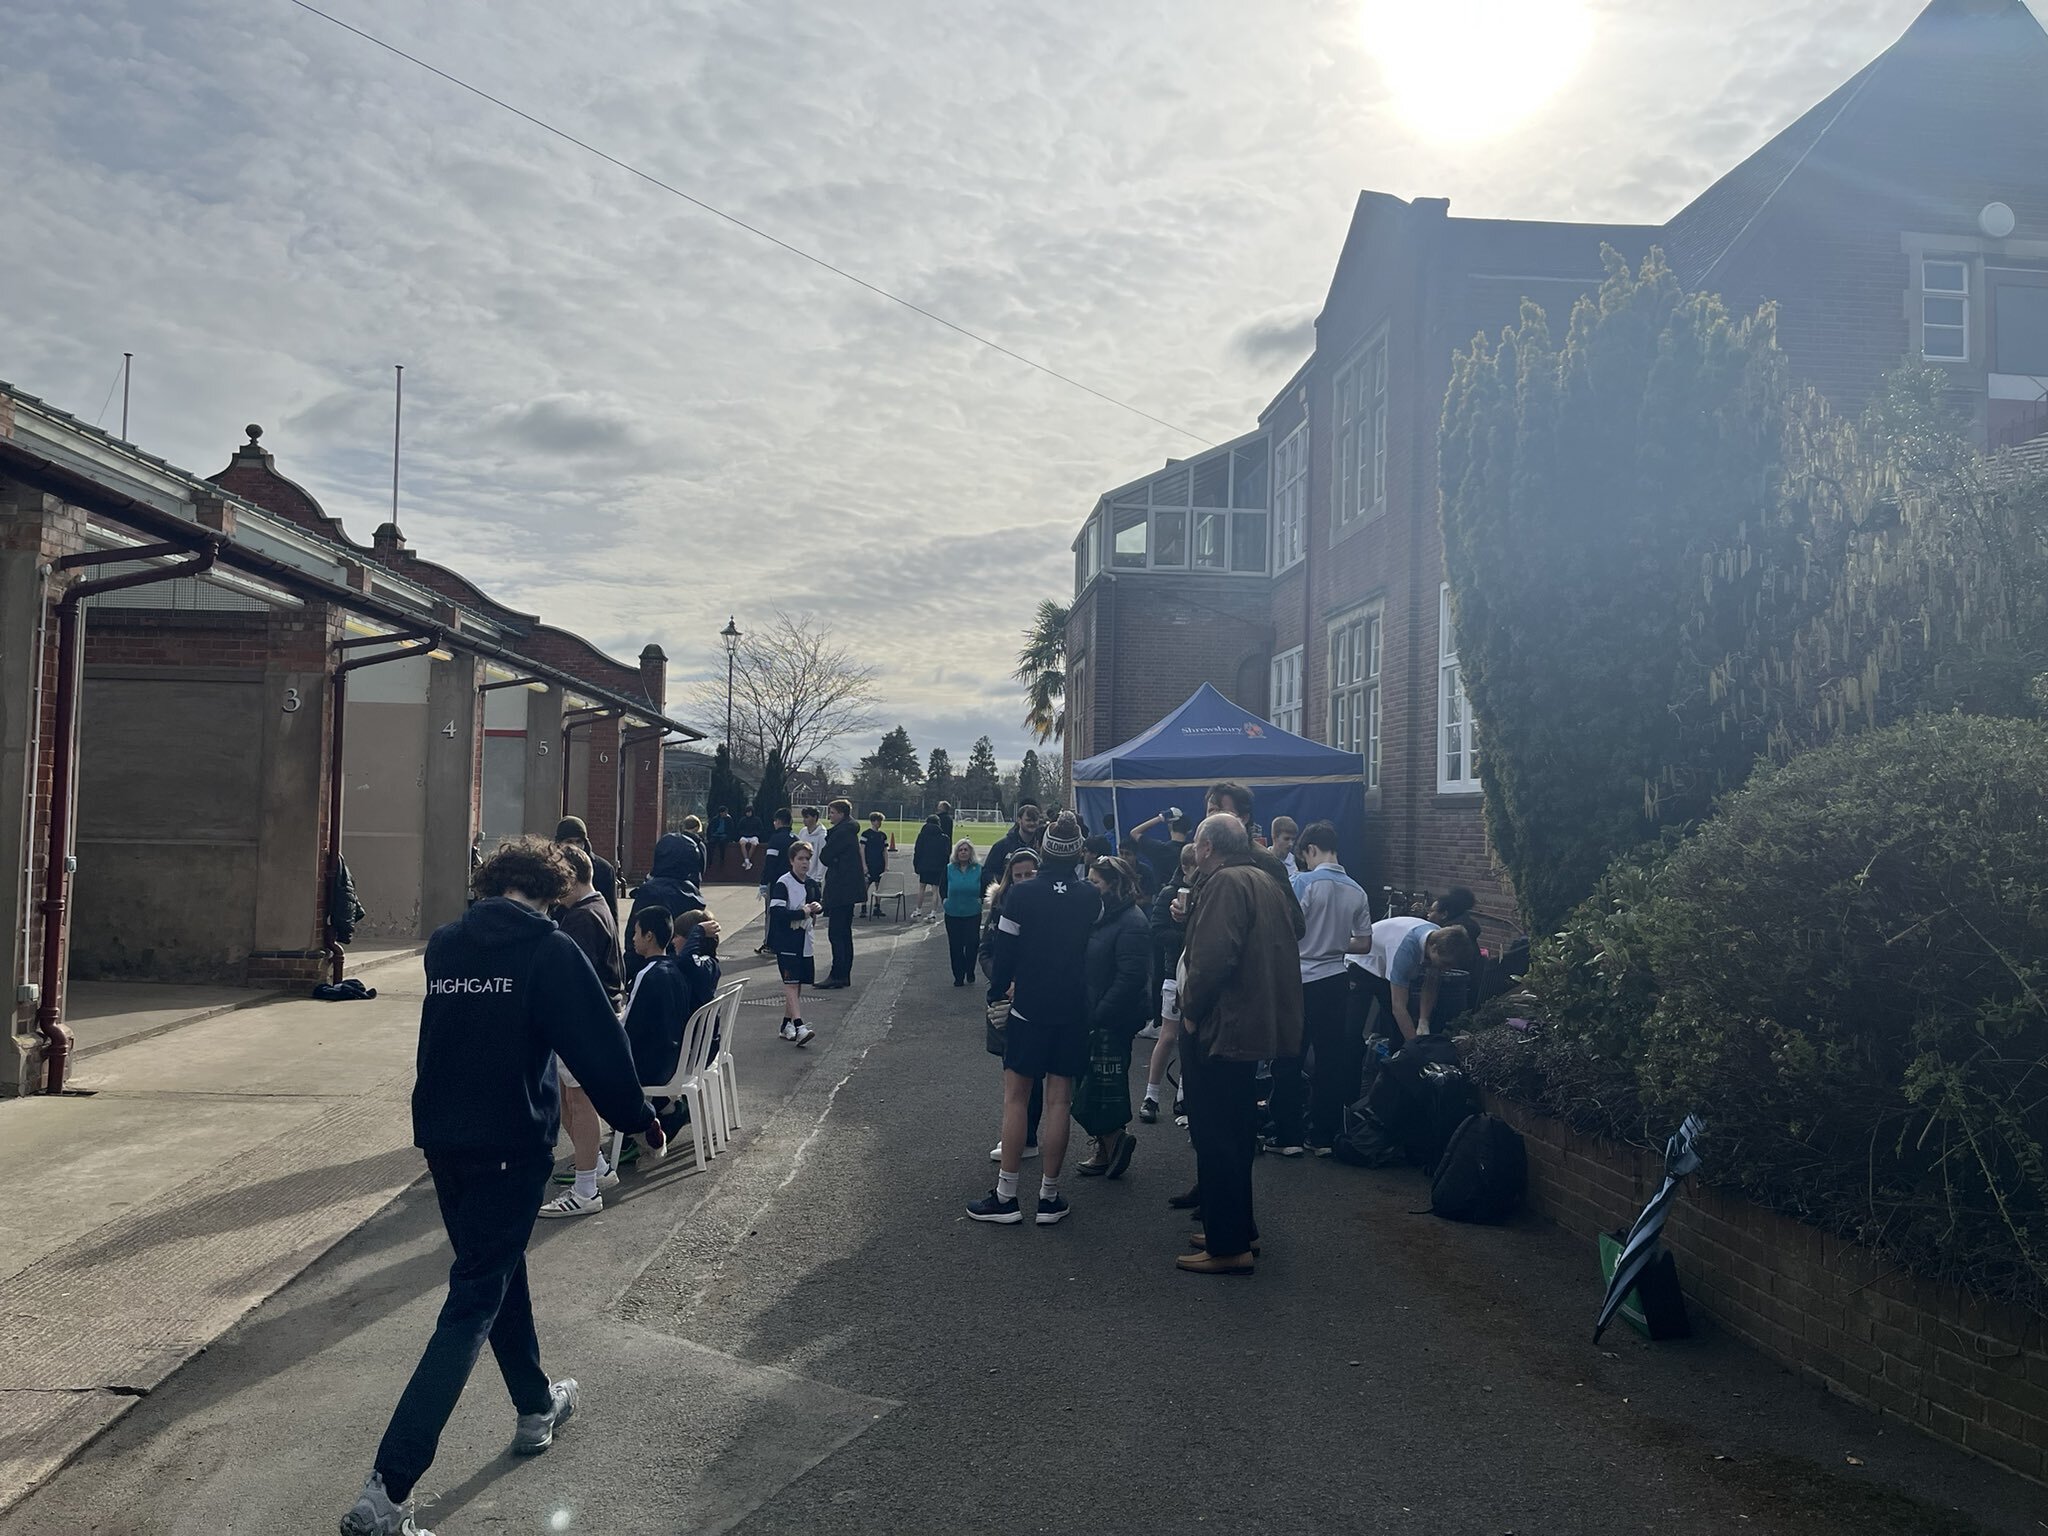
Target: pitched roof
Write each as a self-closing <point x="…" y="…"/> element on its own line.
<point x="1965" y="75"/>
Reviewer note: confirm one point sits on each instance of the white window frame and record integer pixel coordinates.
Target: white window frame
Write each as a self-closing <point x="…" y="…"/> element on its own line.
<point x="1283" y="693"/>
<point x="1290" y="500"/>
<point x="1360" y="462"/>
<point x="1453" y="711"/>
<point x="1931" y="294"/>
<point x="1357" y="646"/>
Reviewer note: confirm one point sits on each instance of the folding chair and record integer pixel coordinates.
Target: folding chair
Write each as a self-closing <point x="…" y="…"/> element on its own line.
<point x="689" y="1083"/>
<point x="724" y="1068"/>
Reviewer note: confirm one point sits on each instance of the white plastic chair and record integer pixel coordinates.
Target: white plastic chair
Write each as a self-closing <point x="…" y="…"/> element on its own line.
<point x="690" y="1084"/>
<point x="724" y="1068"/>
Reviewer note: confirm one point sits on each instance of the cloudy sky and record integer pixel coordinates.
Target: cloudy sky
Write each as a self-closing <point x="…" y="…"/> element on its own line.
<point x="635" y="419"/>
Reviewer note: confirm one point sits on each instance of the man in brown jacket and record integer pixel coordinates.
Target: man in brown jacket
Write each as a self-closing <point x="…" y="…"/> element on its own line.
<point x="1240" y="1005"/>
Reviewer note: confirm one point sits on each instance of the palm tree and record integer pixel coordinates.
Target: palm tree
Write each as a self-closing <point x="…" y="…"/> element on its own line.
<point x="1042" y="669"/>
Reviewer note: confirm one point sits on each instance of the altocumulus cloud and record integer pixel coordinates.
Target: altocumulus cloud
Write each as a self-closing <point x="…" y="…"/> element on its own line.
<point x="634" y="419"/>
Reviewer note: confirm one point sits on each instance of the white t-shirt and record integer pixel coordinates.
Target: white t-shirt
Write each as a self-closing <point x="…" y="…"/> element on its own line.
<point x="815" y="836"/>
<point x="1387" y="935"/>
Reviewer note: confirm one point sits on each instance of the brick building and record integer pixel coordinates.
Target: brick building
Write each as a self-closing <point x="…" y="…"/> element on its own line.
<point x="183" y="661"/>
<point x="1906" y="215"/>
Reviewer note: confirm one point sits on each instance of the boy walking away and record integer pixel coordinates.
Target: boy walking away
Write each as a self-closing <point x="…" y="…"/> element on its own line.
<point x="506" y="993"/>
<point x="844" y="885"/>
<point x="793" y="908"/>
<point x="874" y="848"/>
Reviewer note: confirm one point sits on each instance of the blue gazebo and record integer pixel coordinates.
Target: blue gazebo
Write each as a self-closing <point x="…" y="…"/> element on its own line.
<point x="1209" y="738"/>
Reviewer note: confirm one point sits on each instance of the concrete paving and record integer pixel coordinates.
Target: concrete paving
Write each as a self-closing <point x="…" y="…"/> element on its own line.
<point x="809" y="1336"/>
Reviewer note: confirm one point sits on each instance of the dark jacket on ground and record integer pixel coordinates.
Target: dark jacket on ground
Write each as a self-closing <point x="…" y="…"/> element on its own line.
<point x="775" y="856"/>
<point x="845" y="885"/>
<point x="1120" y="970"/>
<point x="594" y="927"/>
<point x="1041" y="944"/>
<point x="506" y="992"/>
<point x="930" y="854"/>
<point x="1243" y="992"/>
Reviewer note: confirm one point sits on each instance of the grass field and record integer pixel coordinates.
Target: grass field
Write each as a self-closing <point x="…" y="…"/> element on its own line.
<point x="984" y="834"/>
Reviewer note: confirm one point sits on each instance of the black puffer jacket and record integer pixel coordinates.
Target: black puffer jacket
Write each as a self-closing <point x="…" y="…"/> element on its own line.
<point x="1120" y="970"/>
<point x="930" y="854"/>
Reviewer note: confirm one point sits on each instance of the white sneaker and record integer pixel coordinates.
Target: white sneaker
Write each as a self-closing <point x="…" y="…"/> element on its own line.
<point x="1149" y="1032"/>
<point x="375" y="1514"/>
<point x="789" y="1029"/>
<point x="573" y="1204"/>
<point x="804" y="1034"/>
<point x="995" y="1153"/>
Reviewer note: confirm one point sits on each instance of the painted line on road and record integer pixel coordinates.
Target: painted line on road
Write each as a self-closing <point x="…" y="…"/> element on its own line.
<point x="710" y="1233"/>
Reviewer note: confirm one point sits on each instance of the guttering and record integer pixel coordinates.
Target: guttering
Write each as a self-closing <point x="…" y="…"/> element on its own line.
<point x="81" y="492"/>
<point x="203" y="549"/>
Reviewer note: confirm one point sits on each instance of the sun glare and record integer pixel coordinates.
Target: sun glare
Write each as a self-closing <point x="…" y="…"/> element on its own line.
<point x="1471" y="69"/>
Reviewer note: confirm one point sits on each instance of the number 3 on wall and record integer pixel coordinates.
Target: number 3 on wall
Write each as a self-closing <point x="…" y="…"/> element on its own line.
<point x="291" y="701"/>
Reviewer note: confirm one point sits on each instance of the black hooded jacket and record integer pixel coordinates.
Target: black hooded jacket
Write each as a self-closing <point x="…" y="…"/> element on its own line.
<point x="930" y="854"/>
<point x="676" y="882"/>
<point x="506" y="992"/>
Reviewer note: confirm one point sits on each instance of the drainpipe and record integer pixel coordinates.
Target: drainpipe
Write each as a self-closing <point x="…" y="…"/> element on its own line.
<point x="58" y="861"/>
<point x="338" y="696"/>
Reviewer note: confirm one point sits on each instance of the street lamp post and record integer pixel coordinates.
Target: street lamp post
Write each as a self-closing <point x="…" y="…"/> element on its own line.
<point x="731" y="635"/>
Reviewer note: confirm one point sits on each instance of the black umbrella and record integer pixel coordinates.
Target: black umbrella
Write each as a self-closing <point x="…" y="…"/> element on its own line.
<point x="1679" y="1160"/>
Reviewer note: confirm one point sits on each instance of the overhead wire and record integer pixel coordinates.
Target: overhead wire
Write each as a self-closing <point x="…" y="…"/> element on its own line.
<point x="753" y="229"/>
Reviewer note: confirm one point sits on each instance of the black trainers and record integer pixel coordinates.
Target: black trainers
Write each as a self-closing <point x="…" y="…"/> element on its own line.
<point x="1051" y="1210"/>
<point x="992" y="1207"/>
<point x="1149" y="1111"/>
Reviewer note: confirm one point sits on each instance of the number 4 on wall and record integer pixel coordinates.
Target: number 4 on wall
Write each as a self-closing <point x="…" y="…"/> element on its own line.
<point x="448" y="730"/>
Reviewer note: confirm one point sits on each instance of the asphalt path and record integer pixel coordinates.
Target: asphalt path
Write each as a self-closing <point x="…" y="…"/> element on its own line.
<point x="810" y="1336"/>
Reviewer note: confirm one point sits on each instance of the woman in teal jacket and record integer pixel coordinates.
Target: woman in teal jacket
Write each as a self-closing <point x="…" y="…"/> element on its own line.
<point x="963" y="911"/>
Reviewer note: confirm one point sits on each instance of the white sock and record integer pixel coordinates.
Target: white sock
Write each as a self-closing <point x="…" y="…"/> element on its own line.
<point x="1006" y="1186"/>
<point x="604" y="1165"/>
<point x="1047" y="1188"/>
<point x="1152" y="1092"/>
<point x="586" y="1183"/>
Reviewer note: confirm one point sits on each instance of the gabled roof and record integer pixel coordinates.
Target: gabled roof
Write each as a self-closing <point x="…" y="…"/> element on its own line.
<point x="1954" y="108"/>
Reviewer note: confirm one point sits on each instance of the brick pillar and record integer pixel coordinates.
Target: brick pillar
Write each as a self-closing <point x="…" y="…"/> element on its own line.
<point x="291" y="896"/>
<point x="647" y="783"/>
<point x="601" y="784"/>
<point x="546" y="763"/>
<point x="454" y="774"/>
<point x="34" y="529"/>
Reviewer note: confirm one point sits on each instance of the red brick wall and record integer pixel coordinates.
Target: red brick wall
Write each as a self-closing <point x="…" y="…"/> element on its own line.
<point x="1972" y="1373"/>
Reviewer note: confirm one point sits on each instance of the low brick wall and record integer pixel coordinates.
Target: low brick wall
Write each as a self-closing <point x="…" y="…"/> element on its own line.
<point x="1966" y="1371"/>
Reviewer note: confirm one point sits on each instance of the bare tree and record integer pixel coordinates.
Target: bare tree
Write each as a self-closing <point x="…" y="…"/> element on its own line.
<point x="794" y="690"/>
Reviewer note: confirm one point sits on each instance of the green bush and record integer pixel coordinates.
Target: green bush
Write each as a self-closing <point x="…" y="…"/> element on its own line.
<point x="1842" y="970"/>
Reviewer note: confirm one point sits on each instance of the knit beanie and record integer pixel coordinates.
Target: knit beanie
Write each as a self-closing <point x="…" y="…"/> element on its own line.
<point x="1063" y="838"/>
<point x="570" y="829"/>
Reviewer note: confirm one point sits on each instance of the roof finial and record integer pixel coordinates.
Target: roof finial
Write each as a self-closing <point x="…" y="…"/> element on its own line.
<point x="255" y="432"/>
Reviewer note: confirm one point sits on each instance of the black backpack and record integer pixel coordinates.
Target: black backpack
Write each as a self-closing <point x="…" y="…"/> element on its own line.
<point x="1449" y="1099"/>
<point x="1483" y="1173"/>
<point x="1396" y="1095"/>
<point x="1364" y="1142"/>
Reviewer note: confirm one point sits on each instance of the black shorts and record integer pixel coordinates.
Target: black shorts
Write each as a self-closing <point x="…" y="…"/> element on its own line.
<point x="802" y="969"/>
<point x="1036" y="1048"/>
